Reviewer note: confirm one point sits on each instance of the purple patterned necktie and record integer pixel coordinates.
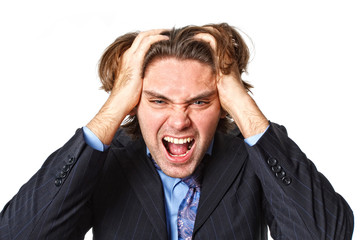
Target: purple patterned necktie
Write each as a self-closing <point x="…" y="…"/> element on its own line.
<point x="188" y="207"/>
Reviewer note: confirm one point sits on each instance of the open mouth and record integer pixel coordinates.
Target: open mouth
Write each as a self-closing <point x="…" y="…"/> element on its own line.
<point x="178" y="147"/>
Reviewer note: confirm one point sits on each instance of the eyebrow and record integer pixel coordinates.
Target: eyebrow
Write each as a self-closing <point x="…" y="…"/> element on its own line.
<point x="203" y="95"/>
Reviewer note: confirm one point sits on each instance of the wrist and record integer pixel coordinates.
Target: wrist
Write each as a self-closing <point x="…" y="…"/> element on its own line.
<point x="107" y="121"/>
<point x="248" y="117"/>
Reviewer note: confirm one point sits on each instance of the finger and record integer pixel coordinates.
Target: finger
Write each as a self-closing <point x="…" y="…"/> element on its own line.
<point x="139" y="38"/>
<point x="206" y="37"/>
<point x="132" y="60"/>
<point x="136" y="53"/>
<point x="147" y="41"/>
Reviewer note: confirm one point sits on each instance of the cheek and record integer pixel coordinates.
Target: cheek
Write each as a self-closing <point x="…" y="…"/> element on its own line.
<point x="150" y="121"/>
<point x="207" y="121"/>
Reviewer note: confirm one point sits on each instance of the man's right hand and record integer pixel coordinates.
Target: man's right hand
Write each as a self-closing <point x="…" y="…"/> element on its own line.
<point x="127" y="88"/>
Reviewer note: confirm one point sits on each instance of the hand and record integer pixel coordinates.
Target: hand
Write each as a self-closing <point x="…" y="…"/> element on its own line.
<point x="126" y="92"/>
<point x="129" y="82"/>
<point x="234" y="97"/>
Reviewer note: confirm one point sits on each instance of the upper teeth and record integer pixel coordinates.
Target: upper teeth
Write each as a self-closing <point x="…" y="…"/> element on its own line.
<point x="177" y="140"/>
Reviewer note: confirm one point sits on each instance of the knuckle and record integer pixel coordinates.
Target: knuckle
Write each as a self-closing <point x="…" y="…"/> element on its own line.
<point x="141" y="34"/>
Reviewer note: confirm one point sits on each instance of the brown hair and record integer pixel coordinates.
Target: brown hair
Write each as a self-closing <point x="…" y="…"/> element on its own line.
<point x="231" y="49"/>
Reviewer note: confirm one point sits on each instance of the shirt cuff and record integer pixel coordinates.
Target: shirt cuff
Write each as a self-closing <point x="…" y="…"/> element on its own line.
<point x="251" y="141"/>
<point x="93" y="141"/>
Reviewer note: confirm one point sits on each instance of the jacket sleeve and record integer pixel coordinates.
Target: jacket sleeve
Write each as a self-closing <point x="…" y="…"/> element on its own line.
<point x="299" y="202"/>
<point x="54" y="202"/>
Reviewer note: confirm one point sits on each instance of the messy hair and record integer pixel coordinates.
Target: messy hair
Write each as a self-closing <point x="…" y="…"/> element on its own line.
<point x="231" y="50"/>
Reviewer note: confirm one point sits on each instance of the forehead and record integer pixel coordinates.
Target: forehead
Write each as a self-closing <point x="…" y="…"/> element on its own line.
<point x="173" y="76"/>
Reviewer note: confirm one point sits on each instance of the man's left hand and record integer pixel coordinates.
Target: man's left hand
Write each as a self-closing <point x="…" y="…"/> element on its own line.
<point x="235" y="99"/>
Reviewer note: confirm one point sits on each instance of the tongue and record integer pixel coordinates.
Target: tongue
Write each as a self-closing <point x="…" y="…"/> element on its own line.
<point x="177" y="149"/>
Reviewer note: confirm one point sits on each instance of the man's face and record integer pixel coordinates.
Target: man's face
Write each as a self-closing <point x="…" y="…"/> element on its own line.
<point x="178" y="113"/>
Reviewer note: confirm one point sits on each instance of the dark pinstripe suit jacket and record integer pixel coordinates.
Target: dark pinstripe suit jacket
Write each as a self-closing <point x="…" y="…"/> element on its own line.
<point x="120" y="195"/>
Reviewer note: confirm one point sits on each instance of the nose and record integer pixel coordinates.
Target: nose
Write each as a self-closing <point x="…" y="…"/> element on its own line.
<point x="179" y="119"/>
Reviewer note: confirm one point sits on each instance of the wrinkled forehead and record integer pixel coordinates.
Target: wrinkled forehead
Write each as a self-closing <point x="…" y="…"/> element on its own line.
<point x="172" y="77"/>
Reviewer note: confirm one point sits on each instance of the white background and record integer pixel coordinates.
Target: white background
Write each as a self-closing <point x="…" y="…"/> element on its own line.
<point x="305" y="68"/>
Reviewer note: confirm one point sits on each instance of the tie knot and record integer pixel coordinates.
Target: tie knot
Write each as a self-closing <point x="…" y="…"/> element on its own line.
<point x="194" y="180"/>
<point x="191" y="182"/>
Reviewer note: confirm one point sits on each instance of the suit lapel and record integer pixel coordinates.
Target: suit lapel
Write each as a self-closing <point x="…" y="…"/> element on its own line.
<point x="146" y="184"/>
<point x="221" y="169"/>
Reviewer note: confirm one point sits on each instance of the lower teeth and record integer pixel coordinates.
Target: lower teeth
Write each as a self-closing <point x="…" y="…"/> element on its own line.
<point x="181" y="155"/>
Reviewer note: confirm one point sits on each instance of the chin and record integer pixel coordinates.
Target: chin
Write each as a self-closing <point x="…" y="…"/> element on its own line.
<point x="178" y="171"/>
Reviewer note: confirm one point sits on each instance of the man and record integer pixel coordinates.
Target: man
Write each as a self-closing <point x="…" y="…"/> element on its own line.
<point x="178" y="168"/>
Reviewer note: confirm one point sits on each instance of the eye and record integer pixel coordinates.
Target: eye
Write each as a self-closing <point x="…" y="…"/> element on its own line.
<point x="157" y="101"/>
<point x="199" y="102"/>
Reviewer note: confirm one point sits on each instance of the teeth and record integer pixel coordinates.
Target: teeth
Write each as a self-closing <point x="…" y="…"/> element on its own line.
<point x="177" y="140"/>
<point x="181" y="155"/>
